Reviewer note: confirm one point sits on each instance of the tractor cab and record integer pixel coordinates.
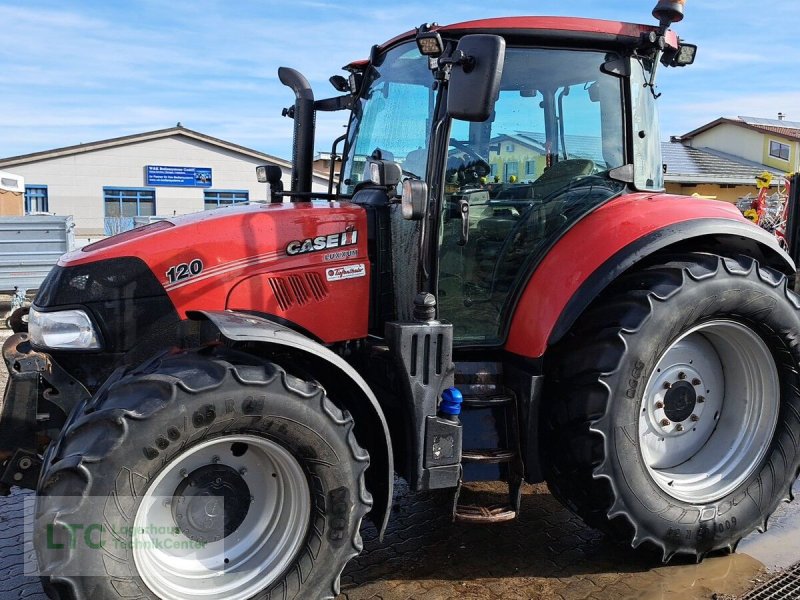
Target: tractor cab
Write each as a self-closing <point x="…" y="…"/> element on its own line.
<point x="512" y="139"/>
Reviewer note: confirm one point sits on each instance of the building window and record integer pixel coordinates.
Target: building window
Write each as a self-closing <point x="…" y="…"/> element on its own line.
<point x="35" y="199"/>
<point x="509" y="147"/>
<point x="778" y="150"/>
<point x="530" y="167"/>
<point x="123" y="204"/>
<point x="219" y="198"/>
<point x="511" y="170"/>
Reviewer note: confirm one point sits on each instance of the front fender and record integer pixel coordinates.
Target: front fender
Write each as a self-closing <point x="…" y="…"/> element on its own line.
<point x="359" y="399"/>
<point x="614" y="238"/>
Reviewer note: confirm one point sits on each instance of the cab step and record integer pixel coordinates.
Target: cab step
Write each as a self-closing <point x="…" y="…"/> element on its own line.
<point x="488" y="401"/>
<point x="491" y="447"/>
<point x="484" y="514"/>
<point x="488" y="456"/>
<point x="489" y="513"/>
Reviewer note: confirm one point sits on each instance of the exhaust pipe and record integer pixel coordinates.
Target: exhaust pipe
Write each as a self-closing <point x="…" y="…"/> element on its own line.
<point x="304" y="122"/>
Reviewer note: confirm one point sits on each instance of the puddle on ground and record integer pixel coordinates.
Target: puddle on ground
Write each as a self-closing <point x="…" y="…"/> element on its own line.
<point x="725" y="575"/>
<point x="547" y="554"/>
<point x="779" y="547"/>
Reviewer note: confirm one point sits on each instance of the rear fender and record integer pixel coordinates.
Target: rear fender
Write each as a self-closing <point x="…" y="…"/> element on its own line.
<point x="616" y="237"/>
<point x="345" y="385"/>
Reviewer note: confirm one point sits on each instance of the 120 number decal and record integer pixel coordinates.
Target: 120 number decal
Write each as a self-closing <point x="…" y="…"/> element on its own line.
<point x="185" y="270"/>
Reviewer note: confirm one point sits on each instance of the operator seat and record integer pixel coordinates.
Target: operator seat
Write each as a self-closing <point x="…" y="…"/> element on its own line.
<point x="560" y="175"/>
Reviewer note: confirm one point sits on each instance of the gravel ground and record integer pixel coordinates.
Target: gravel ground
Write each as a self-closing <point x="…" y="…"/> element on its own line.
<point x="548" y="553"/>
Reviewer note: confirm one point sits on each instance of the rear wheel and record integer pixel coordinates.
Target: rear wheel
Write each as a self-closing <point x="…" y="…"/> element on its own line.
<point x="202" y="475"/>
<point x="675" y="405"/>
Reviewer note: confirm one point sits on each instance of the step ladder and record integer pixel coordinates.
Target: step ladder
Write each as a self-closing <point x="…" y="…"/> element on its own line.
<point x="490" y="415"/>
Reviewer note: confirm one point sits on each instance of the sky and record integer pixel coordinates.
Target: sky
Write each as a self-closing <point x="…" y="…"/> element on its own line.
<point x="80" y="71"/>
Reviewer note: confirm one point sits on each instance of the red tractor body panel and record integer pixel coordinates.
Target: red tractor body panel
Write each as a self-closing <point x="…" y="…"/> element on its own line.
<point x="589" y="244"/>
<point x="303" y="262"/>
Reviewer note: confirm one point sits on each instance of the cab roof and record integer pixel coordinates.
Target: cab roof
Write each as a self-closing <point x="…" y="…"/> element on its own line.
<point x="566" y="27"/>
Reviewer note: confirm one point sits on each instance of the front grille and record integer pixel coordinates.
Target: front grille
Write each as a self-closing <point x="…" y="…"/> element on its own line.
<point x="785" y="586"/>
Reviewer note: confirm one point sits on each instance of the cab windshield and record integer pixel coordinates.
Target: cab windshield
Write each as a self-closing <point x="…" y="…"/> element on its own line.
<point x="392" y="121"/>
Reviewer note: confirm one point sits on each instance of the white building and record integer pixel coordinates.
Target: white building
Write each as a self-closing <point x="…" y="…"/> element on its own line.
<point x="174" y="171"/>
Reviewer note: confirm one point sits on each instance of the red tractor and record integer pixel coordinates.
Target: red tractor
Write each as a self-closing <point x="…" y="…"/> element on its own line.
<point x="497" y="289"/>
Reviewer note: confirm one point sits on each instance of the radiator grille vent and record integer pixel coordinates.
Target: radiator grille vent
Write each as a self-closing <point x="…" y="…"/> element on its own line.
<point x="298" y="289"/>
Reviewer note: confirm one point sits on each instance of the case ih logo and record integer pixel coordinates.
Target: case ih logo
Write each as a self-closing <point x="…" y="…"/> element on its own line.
<point x="346" y="272"/>
<point x="323" y="242"/>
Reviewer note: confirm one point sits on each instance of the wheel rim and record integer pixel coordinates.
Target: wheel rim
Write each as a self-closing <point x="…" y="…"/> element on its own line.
<point x="709" y="411"/>
<point x="215" y="553"/>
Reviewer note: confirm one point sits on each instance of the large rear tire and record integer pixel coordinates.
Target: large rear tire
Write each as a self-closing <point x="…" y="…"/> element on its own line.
<point x="139" y="473"/>
<point x="674" y="413"/>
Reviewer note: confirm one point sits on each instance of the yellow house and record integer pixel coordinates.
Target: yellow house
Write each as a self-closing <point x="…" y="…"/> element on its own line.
<point x="772" y="142"/>
<point x="523" y="154"/>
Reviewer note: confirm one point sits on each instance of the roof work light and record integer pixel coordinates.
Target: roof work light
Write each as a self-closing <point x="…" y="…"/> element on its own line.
<point x="429" y="42"/>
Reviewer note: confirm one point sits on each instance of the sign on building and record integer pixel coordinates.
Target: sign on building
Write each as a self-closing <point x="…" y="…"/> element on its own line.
<point x="157" y="175"/>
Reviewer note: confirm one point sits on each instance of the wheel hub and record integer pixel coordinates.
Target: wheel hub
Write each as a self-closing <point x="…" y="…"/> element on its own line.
<point x="679" y="401"/>
<point x="211" y="503"/>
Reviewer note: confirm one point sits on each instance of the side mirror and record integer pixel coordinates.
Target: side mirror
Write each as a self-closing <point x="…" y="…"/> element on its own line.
<point x="414" y="200"/>
<point x="475" y="78"/>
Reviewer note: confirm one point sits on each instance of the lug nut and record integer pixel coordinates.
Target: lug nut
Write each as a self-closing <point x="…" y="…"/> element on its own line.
<point x="696" y="381"/>
<point x="183" y="473"/>
<point x="167" y="502"/>
<point x="665" y="422"/>
<point x="694" y="418"/>
<point x="681" y="375"/>
<point x="679" y="427"/>
<point x="701" y="399"/>
<point x="215" y="459"/>
<point x="667" y="385"/>
<point x="659" y="405"/>
<point x="243" y="471"/>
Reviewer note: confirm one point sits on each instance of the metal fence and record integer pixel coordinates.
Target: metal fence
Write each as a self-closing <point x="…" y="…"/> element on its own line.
<point x="30" y="246"/>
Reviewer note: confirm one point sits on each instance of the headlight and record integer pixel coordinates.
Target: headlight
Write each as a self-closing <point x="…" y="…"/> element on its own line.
<point x="62" y="330"/>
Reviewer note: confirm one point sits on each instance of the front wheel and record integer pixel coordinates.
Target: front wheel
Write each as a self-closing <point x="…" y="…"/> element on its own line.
<point x="675" y="415"/>
<point x="204" y="475"/>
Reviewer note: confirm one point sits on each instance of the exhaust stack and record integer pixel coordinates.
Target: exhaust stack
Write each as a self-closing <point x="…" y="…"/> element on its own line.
<point x="304" y="117"/>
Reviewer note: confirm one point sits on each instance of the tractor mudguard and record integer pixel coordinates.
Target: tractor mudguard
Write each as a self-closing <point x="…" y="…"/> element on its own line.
<point x="368" y="415"/>
<point x="607" y="242"/>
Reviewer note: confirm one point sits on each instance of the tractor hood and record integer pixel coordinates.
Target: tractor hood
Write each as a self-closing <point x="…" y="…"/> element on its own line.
<point x="300" y="263"/>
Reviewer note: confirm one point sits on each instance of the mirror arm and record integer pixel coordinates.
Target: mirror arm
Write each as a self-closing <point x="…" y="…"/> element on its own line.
<point x="334" y="104"/>
<point x="658" y="41"/>
<point x="458" y="58"/>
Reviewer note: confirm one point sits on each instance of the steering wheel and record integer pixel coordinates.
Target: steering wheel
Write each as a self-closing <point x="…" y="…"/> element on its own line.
<point x="478" y="164"/>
